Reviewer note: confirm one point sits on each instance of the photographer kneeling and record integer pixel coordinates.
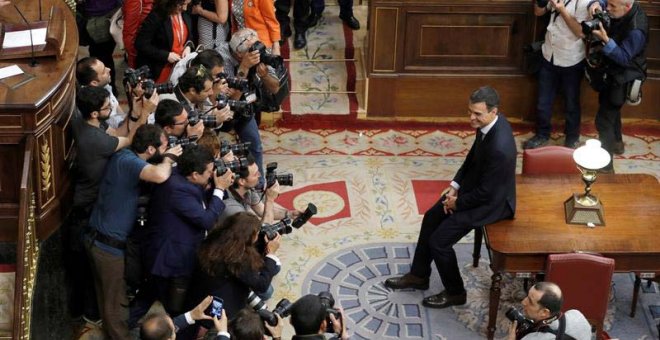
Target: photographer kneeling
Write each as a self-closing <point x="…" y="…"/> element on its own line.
<point x="310" y="319"/>
<point x="543" y="318"/>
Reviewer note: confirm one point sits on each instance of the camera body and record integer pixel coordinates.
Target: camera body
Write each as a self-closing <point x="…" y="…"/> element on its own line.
<point x="283" y="309"/>
<point x="236" y="166"/>
<point x="272" y="176"/>
<point x="273" y="61"/>
<point x="150" y="87"/>
<point x="238" y="149"/>
<point x="524" y="324"/>
<point x="588" y="26"/>
<point x="135" y="76"/>
<point x="240" y="107"/>
<point x="194" y="117"/>
<point x="173" y="141"/>
<point x="234" y="82"/>
<point x="284" y="226"/>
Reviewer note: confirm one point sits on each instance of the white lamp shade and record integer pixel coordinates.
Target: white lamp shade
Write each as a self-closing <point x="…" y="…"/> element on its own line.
<point x="591" y="155"/>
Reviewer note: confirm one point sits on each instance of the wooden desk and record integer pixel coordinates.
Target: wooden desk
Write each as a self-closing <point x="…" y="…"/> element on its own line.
<point x="631" y="235"/>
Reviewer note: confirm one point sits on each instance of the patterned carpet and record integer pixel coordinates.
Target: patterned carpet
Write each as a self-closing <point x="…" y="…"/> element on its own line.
<point x="371" y="187"/>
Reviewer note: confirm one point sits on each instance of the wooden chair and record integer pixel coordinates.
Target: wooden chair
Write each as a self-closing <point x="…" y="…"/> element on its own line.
<point x="550" y="159"/>
<point x="589" y="296"/>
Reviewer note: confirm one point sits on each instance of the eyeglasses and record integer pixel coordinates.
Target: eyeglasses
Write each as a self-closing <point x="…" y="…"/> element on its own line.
<point x="243" y="42"/>
<point x="182" y="123"/>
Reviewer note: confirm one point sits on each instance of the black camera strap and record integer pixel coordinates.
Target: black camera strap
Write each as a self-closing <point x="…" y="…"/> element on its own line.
<point x="555" y="14"/>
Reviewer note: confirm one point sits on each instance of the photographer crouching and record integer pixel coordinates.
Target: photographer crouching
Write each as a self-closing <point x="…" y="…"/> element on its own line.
<point x="622" y="65"/>
<point x="314" y="315"/>
<point x="542" y="317"/>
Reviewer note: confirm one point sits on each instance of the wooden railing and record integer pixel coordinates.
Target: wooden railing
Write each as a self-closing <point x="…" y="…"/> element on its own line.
<point x="27" y="248"/>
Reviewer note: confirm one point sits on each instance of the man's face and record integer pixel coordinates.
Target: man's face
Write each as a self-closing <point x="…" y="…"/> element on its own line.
<point x="253" y="177"/>
<point x="171" y="324"/>
<point x="157" y="156"/>
<point x="531" y="307"/>
<point x="102" y="74"/>
<point x="184" y="6"/>
<point x="617" y="8"/>
<point x="201" y="96"/>
<point x="245" y="45"/>
<point x="479" y="115"/>
<point x="106" y="109"/>
<point x="220" y="84"/>
<point x="180" y="123"/>
<point x="203" y="178"/>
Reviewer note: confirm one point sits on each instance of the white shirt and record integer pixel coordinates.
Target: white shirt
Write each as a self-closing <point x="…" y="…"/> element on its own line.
<point x="561" y="46"/>
<point x="116" y="117"/>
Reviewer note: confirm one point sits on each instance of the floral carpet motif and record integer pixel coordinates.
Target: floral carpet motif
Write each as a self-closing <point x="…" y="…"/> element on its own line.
<point x="377" y="173"/>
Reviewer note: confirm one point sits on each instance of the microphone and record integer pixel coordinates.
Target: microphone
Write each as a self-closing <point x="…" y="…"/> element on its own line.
<point x="33" y="63"/>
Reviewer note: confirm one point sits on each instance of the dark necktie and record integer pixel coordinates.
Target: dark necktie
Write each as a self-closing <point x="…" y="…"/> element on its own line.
<point x="478" y="139"/>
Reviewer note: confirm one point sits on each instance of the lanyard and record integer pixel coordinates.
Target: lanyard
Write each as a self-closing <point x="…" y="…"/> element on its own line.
<point x="178" y="28"/>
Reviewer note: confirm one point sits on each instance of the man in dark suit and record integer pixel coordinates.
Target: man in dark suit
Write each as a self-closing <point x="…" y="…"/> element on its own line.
<point x="179" y="216"/>
<point x="482" y="192"/>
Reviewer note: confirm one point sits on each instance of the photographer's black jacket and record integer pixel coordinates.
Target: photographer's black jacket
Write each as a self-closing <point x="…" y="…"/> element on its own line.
<point x="635" y="19"/>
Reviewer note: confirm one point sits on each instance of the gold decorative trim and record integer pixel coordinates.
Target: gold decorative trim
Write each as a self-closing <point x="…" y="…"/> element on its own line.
<point x="71" y="4"/>
<point x="30" y="261"/>
<point x="45" y="167"/>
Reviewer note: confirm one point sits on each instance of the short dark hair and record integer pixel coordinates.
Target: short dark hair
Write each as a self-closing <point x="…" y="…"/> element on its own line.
<point x="166" y="7"/>
<point x="166" y="110"/>
<point x="194" y="158"/>
<point x="145" y="136"/>
<point x="156" y="327"/>
<point x="551" y="298"/>
<point x="209" y="58"/>
<point x="307" y="314"/>
<point x="194" y="77"/>
<point x="85" y="74"/>
<point x="90" y="99"/>
<point x="245" y="172"/>
<point x="486" y="94"/>
<point x="246" y="325"/>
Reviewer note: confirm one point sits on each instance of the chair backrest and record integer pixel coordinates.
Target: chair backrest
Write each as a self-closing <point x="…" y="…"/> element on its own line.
<point x="550" y="159"/>
<point x="585" y="281"/>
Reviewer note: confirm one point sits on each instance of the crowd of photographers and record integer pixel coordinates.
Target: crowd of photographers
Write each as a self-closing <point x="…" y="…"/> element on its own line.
<point x="164" y="210"/>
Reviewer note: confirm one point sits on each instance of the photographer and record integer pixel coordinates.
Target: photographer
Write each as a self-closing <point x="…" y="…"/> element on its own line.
<point x="543" y="318"/>
<point x="194" y="91"/>
<point x="161" y="326"/>
<point x="179" y="217"/>
<point x="173" y="118"/>
<point x="624" y="63"/>
<point x="113" y="218"/>
<point x="248" y="325"/>
<point x="309" y="318"/>
<point x="243" y="198"/>
<point x="562" y="67"/>
<point x="230" y="265"/>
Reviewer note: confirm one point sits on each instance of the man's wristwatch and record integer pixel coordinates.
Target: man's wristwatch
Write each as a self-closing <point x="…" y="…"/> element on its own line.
<point x="133" y="119"/>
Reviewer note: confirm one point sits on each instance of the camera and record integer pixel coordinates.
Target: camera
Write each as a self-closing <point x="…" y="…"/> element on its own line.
<point x="273" y="61"/>
<point x="173" y="141"/>
<point x="240" y="107"/>
<point x="142" y="209"/>
<point x="284" y="226"/>
<point x="194" y="117"/>
<point x="599" y="17"/>
<point x="272" y="176"/>
<point x="135" y="76"/>
<point x="283" y="309"/>
<point x="236" y="166"/>
<point x="524" y="324"/>
<point x="328" y="302"/>
<point x="149" y="87"/>
<point x="305" y="216"/>
<point x="238" y="149"/>
<point x="254" y="301"/>
<point x="234" y="82"/>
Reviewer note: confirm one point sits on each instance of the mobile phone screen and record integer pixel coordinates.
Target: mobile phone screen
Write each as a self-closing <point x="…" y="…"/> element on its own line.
<point x="215" y="308"/>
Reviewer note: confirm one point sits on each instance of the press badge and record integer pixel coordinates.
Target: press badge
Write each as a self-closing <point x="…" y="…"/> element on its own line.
<point x="250" y="97"/>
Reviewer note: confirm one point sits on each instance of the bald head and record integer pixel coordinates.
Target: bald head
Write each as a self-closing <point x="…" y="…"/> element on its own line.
<point x="157" y="327"/>
<point x="551" y="298"/>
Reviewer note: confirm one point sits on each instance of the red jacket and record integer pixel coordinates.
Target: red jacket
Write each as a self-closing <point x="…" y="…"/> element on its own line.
<point x="135" y="11"/>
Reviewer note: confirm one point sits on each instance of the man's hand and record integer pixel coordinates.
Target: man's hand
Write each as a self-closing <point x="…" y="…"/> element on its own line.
<point x="338" y="326"/>
<point x="273" y="192"/>
<point x="229" y="157"/>
<point x="601" y="34"/>
<point x="221" y="324"/>
<point x="195" y="130"/>
<point x="197" y="313"/>
<point x="223" y="181"/>
<point x="4" y="3"/>
<point x="294" y="213"/>
<point x="197" y="9"/>
<point x="595" y="7"/>
<point x="276" y="48"/>
<point x="176" y="150"/>
<point x="173" y="58"/>
<point x="275" y="331"/>
<point x="449" y="202"/>
<point x="273" y="245"/>
<point x="223" y="115"/>
<point x="146" y="106"/>
<point x="558" y="5"/>
<point x="512" y="331"/>
<point x="250" y="59"/>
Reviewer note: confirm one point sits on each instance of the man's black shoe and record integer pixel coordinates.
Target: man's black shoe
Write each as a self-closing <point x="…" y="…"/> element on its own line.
<point x="444" y="300"/>
<point x="407" y="281"/>
<point x="350" y="21"/>
<point x="314" y="19"/>
<point x="573" y="144"/>
<point x="300" y="41"/>
<point x="535" y="142"/>
<point x="619" y="148"/>
<point x="286" y="32"/>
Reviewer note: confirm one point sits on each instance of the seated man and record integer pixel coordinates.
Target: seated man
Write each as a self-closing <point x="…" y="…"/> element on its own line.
<point x="161" y="326"/>
<point x="543" y="307"/>
<point x="482" y="192"/>
<point x="309" y="318"/>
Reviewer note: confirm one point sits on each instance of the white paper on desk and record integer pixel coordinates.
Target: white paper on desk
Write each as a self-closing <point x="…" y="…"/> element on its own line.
<point x="22" y="38"/>
<point x="9" y="71"/>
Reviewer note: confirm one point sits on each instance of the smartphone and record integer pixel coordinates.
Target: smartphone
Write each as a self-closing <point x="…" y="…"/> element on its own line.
<point x="215" y="308"/>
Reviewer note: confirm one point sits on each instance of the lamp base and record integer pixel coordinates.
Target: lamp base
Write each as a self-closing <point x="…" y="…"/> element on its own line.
<point x="577" y="213"/>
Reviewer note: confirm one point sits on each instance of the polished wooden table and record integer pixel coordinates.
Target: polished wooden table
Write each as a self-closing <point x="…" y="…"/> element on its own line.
<point x="631" y="235"/>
